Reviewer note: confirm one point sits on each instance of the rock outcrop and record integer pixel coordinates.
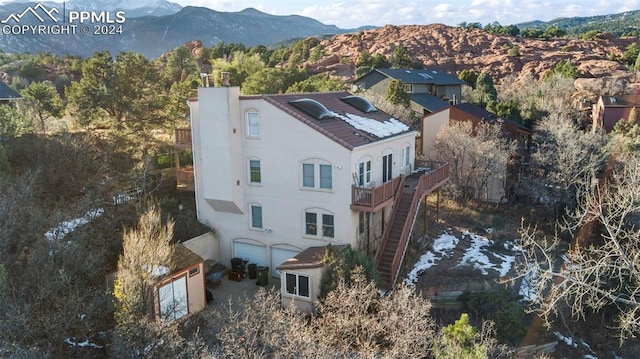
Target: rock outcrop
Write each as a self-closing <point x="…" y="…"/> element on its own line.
<point x="455" y="49"/>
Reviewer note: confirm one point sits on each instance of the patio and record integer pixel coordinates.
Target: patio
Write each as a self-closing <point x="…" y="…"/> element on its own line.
<point x="237" y="291"/>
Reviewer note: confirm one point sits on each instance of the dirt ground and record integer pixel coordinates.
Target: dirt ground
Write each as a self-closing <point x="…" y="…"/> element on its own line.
<point x="505" y="222"/>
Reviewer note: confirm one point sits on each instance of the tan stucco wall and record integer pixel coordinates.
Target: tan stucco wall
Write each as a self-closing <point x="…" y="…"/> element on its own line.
<point x="300" y="303"/>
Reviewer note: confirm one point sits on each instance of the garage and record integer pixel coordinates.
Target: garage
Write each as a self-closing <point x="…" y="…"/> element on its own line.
<point x="255" y="253"/>
<point x="279" y="256"/>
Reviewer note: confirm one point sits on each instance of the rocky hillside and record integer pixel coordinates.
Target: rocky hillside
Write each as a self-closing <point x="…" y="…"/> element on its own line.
<point x="455" y="49"/>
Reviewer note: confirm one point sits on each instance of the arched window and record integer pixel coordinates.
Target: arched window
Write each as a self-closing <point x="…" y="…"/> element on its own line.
<point x="319" y="223"/>
<point x="317" y="174"/>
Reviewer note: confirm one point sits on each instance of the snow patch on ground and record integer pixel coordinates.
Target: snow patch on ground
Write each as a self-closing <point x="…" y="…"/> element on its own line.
<point x="442" y="245"/>
<point x="86" y="343"/>
<point x="66" y="227"/>
<point x="479" y="255"/>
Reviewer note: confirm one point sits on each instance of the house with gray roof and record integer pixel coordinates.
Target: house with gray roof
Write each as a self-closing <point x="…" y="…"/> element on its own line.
<point x="7" y="94"/>
<point x="430" y="90"/>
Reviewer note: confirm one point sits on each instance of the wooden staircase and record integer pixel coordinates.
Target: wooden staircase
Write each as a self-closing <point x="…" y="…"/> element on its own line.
<point x="385" y="265"/>
<point x="395" y="237"/>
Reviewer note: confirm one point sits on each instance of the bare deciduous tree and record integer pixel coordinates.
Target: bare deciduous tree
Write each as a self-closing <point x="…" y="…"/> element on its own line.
<point x="477" y="155"/>
<point x="566" y="158"/>
<point x="599" y="271"/>
<point x="147" y="252"/>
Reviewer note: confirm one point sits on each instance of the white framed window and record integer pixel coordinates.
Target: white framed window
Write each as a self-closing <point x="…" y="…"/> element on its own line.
<point x="325" y="176"/>
<point x="408" y="88"/>
<point x="319" y="223"/>
<point x="406" y="156"/>
<point x="364" y="173"/>
<point x="255" y="175"/>
<point x="311" y="223"/>
<point x="317" y="174"/>
<point x="327" y="226"/>
<point x="308" y="177"/>
<point x="256" y="216"/>
<point x="297" y="284"/>
<point x="253" y="123"/>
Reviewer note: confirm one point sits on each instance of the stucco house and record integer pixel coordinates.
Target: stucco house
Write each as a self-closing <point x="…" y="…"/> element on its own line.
<point x="609" y="109"/>
<point x="430" y="90"/>
<point x="498" y="185"/>
<point x="274" y="175"/>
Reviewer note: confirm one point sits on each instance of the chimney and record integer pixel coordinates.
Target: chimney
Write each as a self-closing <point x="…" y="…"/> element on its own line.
<point x="225" y="79"/>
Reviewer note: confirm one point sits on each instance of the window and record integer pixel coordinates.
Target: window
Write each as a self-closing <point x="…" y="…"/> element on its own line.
<point x="311" y="224"/>
<point x="253" y="124"/>
<point x="297" y="284"/>
<point x="254" y="171"/>
<point x="406" y="156"/>
<point x="314" y="220"/>
<point x="364" y="173"/>
<point x="327" y="225"/>
<point x="307" y="175"/>
<point x="387" y="168"/>
<point x="314" y="169"/>
<point x="256" y="216"/>
<point x="325" y="176"/>
<point x="408" y="88"/>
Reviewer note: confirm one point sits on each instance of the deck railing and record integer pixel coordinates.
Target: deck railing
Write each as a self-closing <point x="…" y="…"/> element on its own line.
<point x="183" y="137"/>
<point x="373" y="198"/>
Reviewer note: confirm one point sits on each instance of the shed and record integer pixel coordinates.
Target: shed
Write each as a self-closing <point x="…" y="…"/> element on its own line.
<point x="182" y="291"/>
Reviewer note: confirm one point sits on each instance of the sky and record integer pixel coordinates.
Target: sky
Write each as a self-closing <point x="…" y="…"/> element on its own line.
<point x="348" y="14"/>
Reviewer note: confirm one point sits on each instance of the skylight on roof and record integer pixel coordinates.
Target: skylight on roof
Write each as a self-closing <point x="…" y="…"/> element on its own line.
<point x="426" y="76"/>
<point x="312" y="108"/>
<point x="360" y="103"/>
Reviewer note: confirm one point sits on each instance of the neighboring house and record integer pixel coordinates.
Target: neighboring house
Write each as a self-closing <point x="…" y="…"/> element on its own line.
<point x="7" y="94"/>
<point x="182" y="291"/>
<point x="433" y="123"/>
<point x="429" y="90"/>
<point x="277" y="174"/>
<point x="612" y="108"/>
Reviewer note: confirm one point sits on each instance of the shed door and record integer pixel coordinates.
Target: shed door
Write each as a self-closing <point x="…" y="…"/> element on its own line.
<point x="254" y="253"/>
<point x="279" y="256"/>
<point x="173" y="300"/>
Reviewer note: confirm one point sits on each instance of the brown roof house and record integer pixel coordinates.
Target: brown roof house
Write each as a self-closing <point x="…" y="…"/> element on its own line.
<point x="433" y="123"/>
<point x="301" y="276"/>
<point x="612" y="108"/>
<point x="274" y="175"/>
<point x="182" y="291"/>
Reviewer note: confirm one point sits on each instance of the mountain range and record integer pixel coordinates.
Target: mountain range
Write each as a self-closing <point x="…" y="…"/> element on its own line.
<point x="153" y="27"/>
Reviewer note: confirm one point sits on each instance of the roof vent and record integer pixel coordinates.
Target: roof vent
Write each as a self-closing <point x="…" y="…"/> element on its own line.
<point x="360" y="103"/>
<point x="312" y="108"/>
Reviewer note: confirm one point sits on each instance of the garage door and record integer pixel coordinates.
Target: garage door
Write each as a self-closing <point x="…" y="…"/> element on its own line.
<point x="254" y="253"/>
<point x="279" y="256"/>
<point x="173" y="300"/>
